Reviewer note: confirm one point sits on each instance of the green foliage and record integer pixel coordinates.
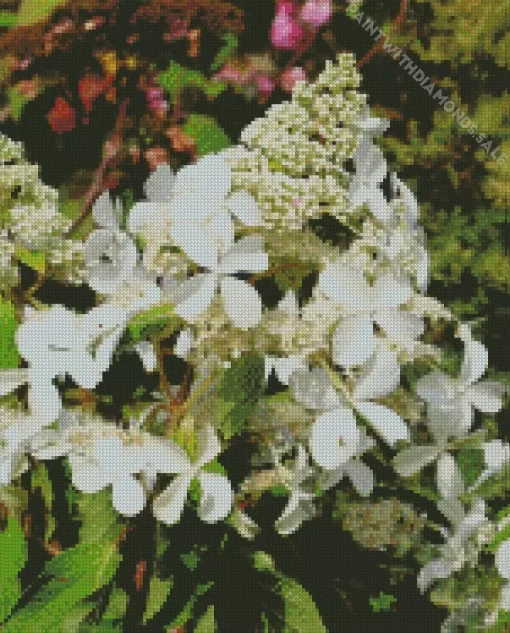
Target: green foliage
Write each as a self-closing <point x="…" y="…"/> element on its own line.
<point x="301" y="613"/>
<point x="33" y="259"/>
<point x="207" y="623"/>
<point x="13" y="556"/>
<point x="8" y="327"/>
<point x="382" y="602"/>
<point x="207" y="134"/>
<point x="159" y="591"/>
<point x="230" y="44"/>
<point x="159" y="322"/>
<point x="177" y="78"/>
<point x="240" y="387"/>
<point x="8" y="19"/>
<point x="32" y="11"/>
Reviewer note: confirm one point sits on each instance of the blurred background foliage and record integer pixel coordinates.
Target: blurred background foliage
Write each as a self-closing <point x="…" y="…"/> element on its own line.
<point x="101" y="92"/>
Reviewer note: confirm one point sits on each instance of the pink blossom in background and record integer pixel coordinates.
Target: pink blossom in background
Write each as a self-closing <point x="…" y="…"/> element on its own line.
<point x="286" y="33"/>
<point x="265" y="84"/>
<point x="317" y="12"/>
<point x="291" y="76"/>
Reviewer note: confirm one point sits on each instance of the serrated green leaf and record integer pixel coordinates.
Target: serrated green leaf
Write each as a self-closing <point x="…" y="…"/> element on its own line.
<point x="240" y="387"/>
<point x="8" y="327"/>
<point x="301" y="613"/>
<point x="13" y="556"/>
<point x="97" y="514"/>
<point x="207" y="134"/>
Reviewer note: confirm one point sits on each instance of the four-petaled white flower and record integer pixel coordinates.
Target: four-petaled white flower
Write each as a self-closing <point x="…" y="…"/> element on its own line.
<point x="354" y="340"/>
<point x="223" y="258"/>
<point x="300" y="505"/>
<point x="101" y="455"/>
<point x="110" y="255"/>
<point x="217" y="494"/>
<point x="451" y="401"/>
<point x="58" y="341"/>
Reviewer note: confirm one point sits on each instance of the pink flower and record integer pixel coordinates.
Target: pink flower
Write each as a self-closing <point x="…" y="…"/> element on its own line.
<point x="229" y="74"/>
<point x="286" y="33"/>
<point x="265" y="84"/>
<point x="291" y="76"/>
<point x="317" y="12"/>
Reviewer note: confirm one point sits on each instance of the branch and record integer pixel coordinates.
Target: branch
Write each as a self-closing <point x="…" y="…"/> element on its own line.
<point x="112" y="146"/>
<point x="404" y="4"/>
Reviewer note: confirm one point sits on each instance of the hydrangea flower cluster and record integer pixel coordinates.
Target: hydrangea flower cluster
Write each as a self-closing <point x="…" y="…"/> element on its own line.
<point x="300" y="203"/>
<point x="29" y="217"/>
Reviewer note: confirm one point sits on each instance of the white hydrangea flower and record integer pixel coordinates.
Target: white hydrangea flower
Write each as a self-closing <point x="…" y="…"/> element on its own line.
<point x="217" y="494"/>
<point x="222" y="258"/>
<point x="110" y="255"/>
<point x="451" y="401"/>
<point x="354" y="340"/>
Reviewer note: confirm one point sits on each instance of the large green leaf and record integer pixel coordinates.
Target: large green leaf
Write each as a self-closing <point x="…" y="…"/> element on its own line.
<point x="207" y="134"/>
<point x="32" y="11"/>
<point x="8" y="326"/>
<point x="76" y="573"/>
<point x="13" y="555"/>
<point x="301" y="614"/>
<point x="157" y="321"/>
<point x="240" y="387"/>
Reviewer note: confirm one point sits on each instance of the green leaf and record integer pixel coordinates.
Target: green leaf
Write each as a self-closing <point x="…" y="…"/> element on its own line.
<point x="33" y="259"/>
<point x="230" y="44"/>
<point x="32" y="11"/>
<point x="17" y="101"/>
<point x="240" y="387"/>
<point x="186" y="614"/>
<point x="8" y="327"/>
<point x="8" y="19"/>
<point x="159" y="591"/>
<point x="74" y="575"/>
<point x="207" y="623"/>
<point x="208" y="135"/>
<point x="40" y="481"/>
<point x="301" y="614"/>
<point x="382" y="602"/>
<point x="13" y="556"/>
<point x="159" y="321"/>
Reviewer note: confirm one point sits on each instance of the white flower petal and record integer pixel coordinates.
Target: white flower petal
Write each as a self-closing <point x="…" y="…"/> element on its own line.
<point x="242" y="302"/>
<point x="353" y="341"/>
<point x="145" y="350"/>
<point x="486" y="396"/>
<point x="386" y="422"/>
<point x="380" y="377"/>
<point x="208" y="446"/>
<point x="195" y="295"/>
<point x="449" y="478"/>
<point x="217" y="497"/>
<point x="244" y="206"/>
<point x="476" y="358"/>
<point x="183" y="344"/>
<point x="246" y="255"/>
<point x="299" y="508"/>
<point x="437" y="389"/>
<point x="390" y="291"/>
<point x="346" y="286"/>
<point x="43" y="397"/>
<point x="313" y="389"/>
<point x="504" y="599"/>
<point x="166" y="457"/>
<point x="168" y="506"/>
<point x="88" y="478"/>
<point x="400" y="326"/>
<point x="361" y="476"/>
<point x="334" y="438"/>
<point x="128" y="496"/>
<point x="411" y="460"/>
<point x="104" y="213"/>
<point x="502" y="559"/>
<point x="435" y="570"/>
<point x="198" y="241"/>
<point x="159" y="185"/>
